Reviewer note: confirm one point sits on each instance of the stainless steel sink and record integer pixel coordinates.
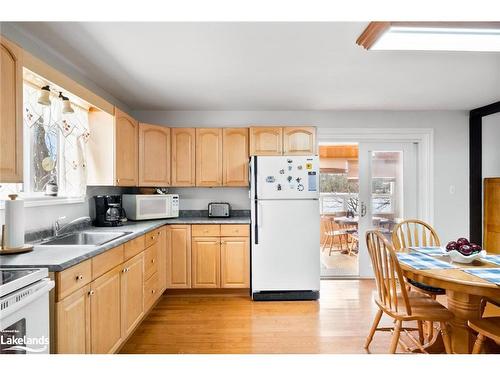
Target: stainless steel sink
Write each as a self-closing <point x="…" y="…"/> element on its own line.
<point x="85" y="238"/>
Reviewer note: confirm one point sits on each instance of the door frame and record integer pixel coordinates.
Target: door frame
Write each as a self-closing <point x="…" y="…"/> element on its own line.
<point x="423" y="137"/>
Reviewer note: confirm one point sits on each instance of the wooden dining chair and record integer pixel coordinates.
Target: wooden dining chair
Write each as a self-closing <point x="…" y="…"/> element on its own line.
<point x="396" y="301"/>
<point x="486" y="327"/>
<point x="330" y="235"/>
<point x="415" y="232"/>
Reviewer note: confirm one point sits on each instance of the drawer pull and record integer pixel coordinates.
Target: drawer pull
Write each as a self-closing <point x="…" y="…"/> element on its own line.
<point x="152" y="260"/>
<point x="153" y="237"/>
<point x="153" y="291"/>
<point x="79" y="277"/>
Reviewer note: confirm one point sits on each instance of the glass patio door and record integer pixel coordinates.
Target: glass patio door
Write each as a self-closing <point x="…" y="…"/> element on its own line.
<point x="388" y="191"/>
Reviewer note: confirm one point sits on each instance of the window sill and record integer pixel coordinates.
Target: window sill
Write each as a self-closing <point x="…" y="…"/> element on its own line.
<point x="46" y="201"/>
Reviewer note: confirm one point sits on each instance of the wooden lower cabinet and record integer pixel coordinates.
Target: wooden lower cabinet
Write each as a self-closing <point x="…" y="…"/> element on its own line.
<point x="205" y="266"/>
<point x="151" y="291"/>
<point x="132" y="293"/>
<point x="208" y="256"/>
<point x="179" y="256"/>
<point x="235" y="262"/>
<point x="100" y="315"/>
<point x="105" y="306"/>
<point x="72" y="327"/>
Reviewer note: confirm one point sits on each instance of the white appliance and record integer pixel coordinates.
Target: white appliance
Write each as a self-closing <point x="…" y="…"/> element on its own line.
<point x="285" y="227"/>
<point x="24" y="310"/>
<point x="150" y="206"/>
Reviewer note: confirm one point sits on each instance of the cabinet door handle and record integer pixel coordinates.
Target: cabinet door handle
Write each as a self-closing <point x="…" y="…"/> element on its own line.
<point x="91" y="293"/>
<point x="152" y="260"/>
<point x="153" y="291"/>
<point x="79" y="277"/>
<point x="117" y="180"/>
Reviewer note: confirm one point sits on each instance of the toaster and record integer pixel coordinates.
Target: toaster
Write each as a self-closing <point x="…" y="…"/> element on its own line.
<point x="219" y="209"/>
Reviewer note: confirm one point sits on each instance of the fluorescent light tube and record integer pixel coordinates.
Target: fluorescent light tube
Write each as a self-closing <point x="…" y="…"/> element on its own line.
<point x="438" y="39"/>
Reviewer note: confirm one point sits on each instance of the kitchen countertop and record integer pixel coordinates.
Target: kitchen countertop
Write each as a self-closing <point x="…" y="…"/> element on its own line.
<point x="61" y="257"/>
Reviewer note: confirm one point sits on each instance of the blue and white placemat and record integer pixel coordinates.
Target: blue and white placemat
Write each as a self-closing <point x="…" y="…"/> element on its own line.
<point x="489" y="274"/>
<point x="430" y="250"/>
<point x="495" y="259"/>
<point x="421" y="261"/>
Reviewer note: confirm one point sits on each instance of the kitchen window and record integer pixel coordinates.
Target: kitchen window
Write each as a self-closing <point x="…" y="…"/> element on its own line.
<point x="54" y="149"/>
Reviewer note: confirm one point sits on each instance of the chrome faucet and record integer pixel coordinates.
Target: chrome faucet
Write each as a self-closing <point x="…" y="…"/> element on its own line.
<point x="58" y="228"/>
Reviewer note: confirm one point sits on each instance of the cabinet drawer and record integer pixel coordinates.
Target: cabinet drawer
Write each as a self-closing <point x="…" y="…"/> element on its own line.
<point x="134" y="247"/>
<point x="152" y="237"/>
<point x="205" y="230"/>
<point x="151" y="260"/>
<point x="106" y="261"/>
<point x="151" y="291"/>
<point x="235" y="230"/>
<point x="73" y="278"/>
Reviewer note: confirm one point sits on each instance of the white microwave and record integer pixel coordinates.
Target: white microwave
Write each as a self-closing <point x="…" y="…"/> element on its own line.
<point x="150" y="206"/>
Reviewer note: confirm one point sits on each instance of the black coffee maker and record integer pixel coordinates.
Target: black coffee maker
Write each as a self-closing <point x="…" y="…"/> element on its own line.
<point x="109" y="211"/>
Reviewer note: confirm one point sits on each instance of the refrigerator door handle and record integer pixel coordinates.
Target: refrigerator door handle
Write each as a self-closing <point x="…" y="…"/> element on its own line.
<point x="256" y="229"/>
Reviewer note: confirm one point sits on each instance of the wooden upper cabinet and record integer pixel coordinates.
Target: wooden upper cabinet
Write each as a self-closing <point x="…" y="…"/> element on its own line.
<point x="72" y="328"/>
<point x="266" y="141"/>
<point x="235" y="262"/>
<point x="126" y="149"/>
<point x="183" y="156"/>
<point x="235" y="157"/>
<point x="208" y="157"/>
<point x="105" y="302"/>
<point x="299" y="141"/>
<point x="154" y="155"/>
<point x="11" y="112"/>
<point x="178" y="256"/>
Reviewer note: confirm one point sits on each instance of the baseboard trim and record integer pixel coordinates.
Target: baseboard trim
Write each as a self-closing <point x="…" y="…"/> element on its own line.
<point x="286" y="295"/>
<point x="236" y="292"/>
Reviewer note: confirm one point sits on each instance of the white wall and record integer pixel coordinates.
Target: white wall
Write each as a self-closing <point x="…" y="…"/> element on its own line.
<point x="491" y="145"/>
<point x="199" y="198"/>
<point x="451" y="140"/>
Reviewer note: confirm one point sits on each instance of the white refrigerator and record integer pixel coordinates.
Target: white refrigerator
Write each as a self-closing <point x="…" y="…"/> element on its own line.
<point x="285" y="254"/>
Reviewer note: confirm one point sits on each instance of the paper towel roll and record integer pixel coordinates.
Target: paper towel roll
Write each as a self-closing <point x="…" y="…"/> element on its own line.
<point x="14" y="223"/>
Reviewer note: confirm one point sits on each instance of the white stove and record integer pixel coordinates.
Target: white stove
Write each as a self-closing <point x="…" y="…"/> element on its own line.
<point x="24" y="310"/>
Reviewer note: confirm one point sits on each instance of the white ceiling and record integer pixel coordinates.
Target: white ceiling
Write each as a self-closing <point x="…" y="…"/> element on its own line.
<point x="267" y="66"/>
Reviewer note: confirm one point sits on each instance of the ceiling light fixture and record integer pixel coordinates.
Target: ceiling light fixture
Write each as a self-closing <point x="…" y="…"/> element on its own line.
<point x="66" y="104"/>
<point x="44" y="98"/>
<point x="432" y="36"/>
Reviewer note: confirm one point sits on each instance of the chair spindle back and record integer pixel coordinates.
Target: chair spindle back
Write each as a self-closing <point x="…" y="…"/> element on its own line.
<point x="414" y="232"/>
<point x="388" y="275"/>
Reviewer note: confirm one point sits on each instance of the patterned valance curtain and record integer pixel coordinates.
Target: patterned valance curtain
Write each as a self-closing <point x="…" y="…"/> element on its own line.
<point x="57" y="145"/>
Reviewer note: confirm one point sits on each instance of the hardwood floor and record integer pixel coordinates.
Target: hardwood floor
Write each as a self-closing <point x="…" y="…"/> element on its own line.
<point x="338" y="323"/>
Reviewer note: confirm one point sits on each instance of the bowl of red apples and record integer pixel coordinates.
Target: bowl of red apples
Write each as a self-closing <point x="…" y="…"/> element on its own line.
<point x="463" y="251"/>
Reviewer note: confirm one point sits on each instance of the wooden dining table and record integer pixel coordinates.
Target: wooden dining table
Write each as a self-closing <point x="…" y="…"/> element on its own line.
<point x="464" y="293"/>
